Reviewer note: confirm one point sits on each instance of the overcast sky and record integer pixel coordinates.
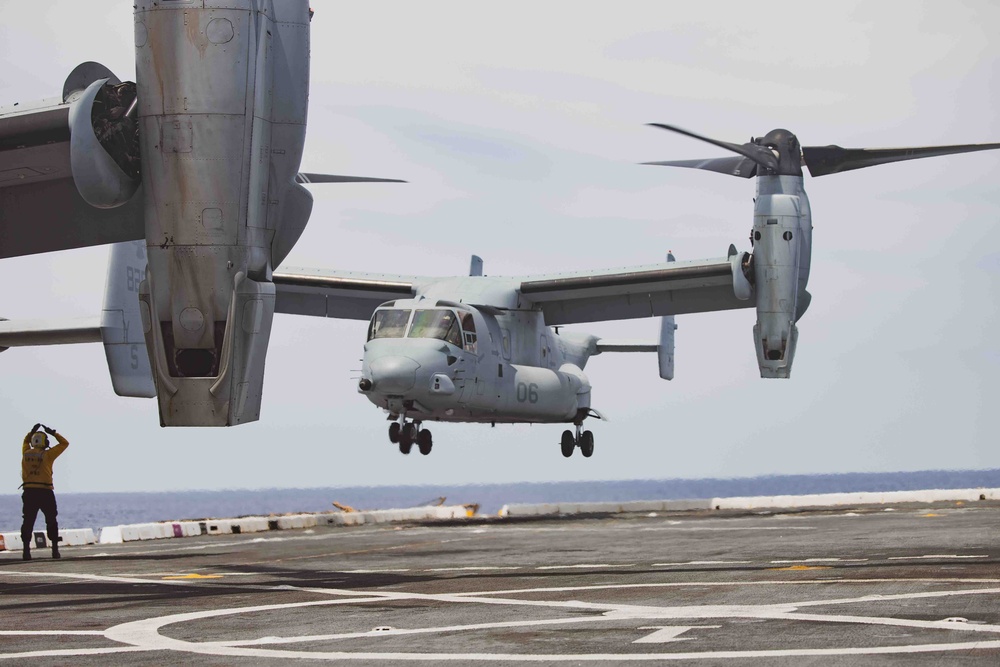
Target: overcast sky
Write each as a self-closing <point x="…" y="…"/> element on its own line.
<point x="519" y="126"/>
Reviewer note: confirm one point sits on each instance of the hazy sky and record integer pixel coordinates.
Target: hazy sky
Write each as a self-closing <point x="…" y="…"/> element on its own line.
<point x="519" y="126"/>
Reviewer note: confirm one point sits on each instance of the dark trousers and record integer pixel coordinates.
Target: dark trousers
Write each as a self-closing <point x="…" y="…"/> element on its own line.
<point x="34" y="500"/>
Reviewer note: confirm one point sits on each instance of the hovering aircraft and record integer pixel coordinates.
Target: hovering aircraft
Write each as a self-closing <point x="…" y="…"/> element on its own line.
<point x="200" y="159"/>
<point x="490" y="350"/>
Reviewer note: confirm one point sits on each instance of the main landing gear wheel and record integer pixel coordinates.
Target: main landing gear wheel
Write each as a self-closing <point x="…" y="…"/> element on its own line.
<point x="568" y="443"/>
<point x="407" y="434"/>
<point x="587" y="444"/>
<point x="394" y="432"/>
<point x="424" y="442"/>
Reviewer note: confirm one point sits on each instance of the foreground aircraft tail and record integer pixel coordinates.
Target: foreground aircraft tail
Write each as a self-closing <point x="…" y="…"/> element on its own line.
<point x="119" y="327"/>
<point x="121" y="322"/>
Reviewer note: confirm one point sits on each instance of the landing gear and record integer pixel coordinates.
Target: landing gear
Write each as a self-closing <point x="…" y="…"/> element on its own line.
<point x="568" y="443"/>
<point x="582" y="439"/>
<point x="424" y="442"/>
<point x="408" y="434"/>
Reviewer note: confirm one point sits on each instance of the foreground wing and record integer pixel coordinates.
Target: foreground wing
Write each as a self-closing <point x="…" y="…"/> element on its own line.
<point x="342" y="294"/>
<point x="41" y="209"/>
<point x="670" y="288"/>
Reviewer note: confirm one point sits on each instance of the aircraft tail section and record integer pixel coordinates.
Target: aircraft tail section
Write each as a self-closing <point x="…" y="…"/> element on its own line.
<point x="664" y="348"/>
<point x="119" y="327"/>
<point x="122" y="329"/>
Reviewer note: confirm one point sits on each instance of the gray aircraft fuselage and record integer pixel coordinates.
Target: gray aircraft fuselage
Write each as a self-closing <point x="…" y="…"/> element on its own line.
<point x="434" y="360"/>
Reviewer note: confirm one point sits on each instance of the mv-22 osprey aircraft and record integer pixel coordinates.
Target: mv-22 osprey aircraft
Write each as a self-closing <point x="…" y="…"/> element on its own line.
<point x="490" y="350"/>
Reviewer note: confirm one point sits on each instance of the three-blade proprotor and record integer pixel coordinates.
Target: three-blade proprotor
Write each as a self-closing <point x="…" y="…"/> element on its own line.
<point x="823" y="160"/>
<point x="778" y="153"/>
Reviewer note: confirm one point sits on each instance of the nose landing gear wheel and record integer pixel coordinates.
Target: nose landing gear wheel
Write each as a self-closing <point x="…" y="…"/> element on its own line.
<point x="424" y="442"/>
<point x="394" y="432"/>
<point x="568" y="443"/>
<point x="587" y="444"/>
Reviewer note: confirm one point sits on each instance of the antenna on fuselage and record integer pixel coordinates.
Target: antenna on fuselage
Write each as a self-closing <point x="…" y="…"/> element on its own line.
<point x="476" y="266"/>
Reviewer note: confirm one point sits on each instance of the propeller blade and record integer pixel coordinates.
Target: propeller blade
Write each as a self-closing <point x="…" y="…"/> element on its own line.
<point x="823" y="160"/>
<point x="331" y="178"/>
<point x="759" y="154"/>
<point x="733" y="166"/>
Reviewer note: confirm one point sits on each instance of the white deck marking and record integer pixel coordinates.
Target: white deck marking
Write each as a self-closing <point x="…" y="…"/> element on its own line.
<point x="669" y="633"/>
<point x="706" y="562"/>
<point x="584" y="565"/>
<point x="820" y="560"/>
<point x="14" y="633"/>
<point x="144" y="635"/>
<point x="936" y="556"/>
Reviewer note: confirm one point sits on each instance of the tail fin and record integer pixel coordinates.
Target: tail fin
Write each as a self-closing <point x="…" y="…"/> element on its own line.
<point x="121" y="322"/>
<point x="665" y="350"/>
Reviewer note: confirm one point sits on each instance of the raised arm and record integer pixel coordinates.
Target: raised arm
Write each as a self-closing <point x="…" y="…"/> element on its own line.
<point x="58" y="449"/>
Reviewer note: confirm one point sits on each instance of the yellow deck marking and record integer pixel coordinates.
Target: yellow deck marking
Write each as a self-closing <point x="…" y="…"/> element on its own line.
<point x="799" y="568"/>
<point x="195" y="575"/>
<point x="930" y="514"/>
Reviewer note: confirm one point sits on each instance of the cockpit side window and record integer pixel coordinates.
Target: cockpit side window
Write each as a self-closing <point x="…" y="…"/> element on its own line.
<point x="469" y="325"/>
<point x="440" y="324"/>
<point x="388" y="323"/>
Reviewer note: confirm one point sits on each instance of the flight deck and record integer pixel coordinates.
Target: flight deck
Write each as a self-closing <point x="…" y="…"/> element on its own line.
<point x="850" y="585"/>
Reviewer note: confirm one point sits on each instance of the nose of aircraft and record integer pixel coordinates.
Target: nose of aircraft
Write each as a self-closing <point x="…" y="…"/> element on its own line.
<point x="393" y="374"/>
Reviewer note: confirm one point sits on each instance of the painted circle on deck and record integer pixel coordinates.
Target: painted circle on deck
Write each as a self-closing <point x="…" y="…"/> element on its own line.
<point x="145" y="635"/>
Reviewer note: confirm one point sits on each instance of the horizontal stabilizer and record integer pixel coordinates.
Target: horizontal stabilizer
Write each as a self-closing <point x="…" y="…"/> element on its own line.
<point x="610" y="345"/>
<point x="24" y="333"/>
<point x="302" y="177"/>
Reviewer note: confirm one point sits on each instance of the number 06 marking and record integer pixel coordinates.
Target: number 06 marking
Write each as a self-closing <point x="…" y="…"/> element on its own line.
<point x="527" y="392"/>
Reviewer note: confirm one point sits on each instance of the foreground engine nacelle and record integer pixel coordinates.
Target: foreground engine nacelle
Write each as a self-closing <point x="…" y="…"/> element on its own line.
<point x="782" y="238"/>
<point x="223" y="94"/>
<point x="104" y="143"/>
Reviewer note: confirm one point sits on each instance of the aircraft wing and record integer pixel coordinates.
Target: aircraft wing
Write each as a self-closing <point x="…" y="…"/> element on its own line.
<point x="40" y="207"/>
<point x="342" y="294"/>
<point x="670" y="288"/>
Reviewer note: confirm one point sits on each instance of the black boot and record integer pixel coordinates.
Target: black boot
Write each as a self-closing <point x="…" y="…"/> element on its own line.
<point x="55" y="551"/>
<point x="26" y="554"/>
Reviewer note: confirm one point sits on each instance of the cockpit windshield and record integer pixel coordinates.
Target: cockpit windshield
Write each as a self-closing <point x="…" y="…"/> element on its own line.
<point x="440" y="324"/>
<point x="389" y="323"/>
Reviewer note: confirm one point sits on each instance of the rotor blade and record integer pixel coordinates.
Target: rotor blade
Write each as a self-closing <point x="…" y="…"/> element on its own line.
<point x="330" y="178"/>
<point x="733" y="166"/>
<point x="758" y="154"/>
<point x="823" y="160"/>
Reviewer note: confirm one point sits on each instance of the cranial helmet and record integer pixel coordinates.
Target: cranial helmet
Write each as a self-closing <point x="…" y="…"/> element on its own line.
<point x="39" y="440"/>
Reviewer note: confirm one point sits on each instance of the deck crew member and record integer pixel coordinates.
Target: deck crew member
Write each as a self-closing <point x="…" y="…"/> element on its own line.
<point x="36" y="478"/>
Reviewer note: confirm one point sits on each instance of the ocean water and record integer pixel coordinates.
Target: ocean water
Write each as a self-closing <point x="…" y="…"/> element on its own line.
<point x="95" y="510"/>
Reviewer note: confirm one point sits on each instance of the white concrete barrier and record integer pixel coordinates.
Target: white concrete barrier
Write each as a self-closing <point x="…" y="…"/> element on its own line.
<point x="861" y="498"/>
<point x="71" y="538"/>
<point x="755" y="502"/>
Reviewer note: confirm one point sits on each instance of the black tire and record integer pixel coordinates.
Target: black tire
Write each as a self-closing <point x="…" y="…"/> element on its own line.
<point x="394" y="432"/>
<point x="568" y="443"/>
<point x="406" y="436"/>
<point x="425" y="442"/>
<point x="587" y="444"/>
